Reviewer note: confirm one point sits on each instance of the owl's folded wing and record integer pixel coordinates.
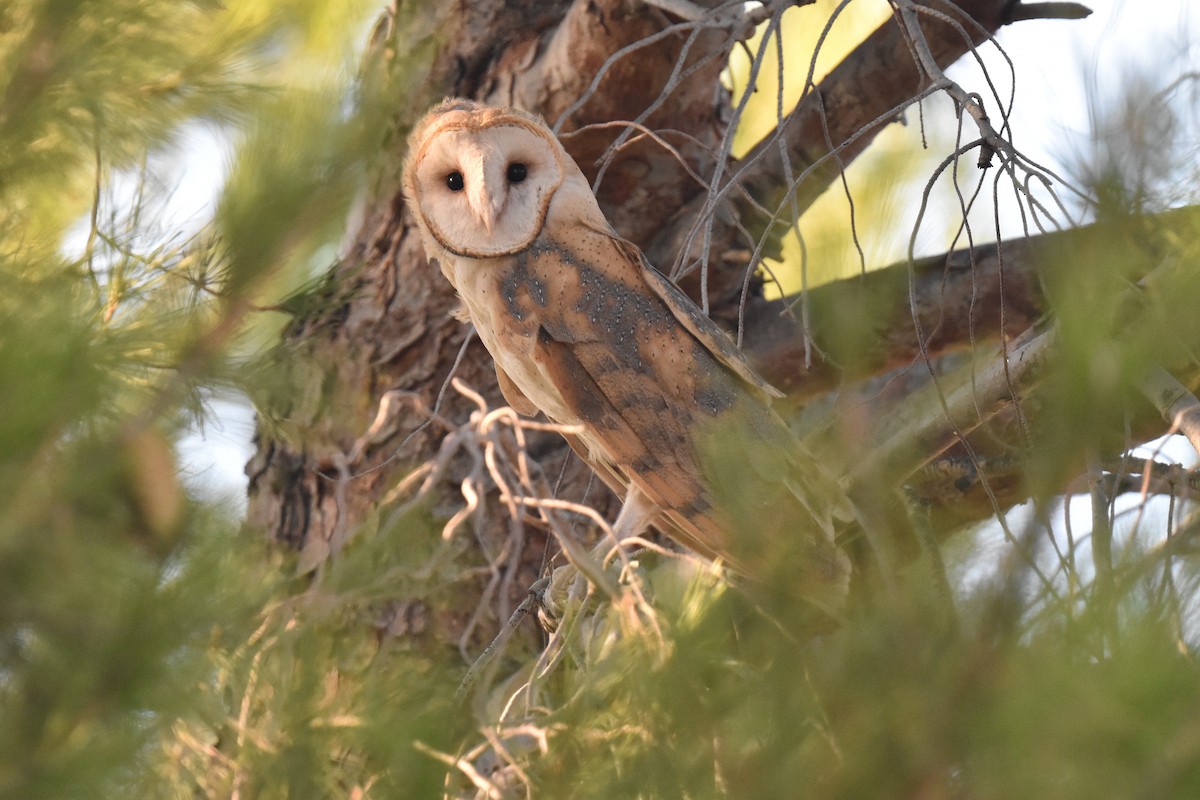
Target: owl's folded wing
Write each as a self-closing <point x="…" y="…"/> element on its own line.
<point x="629" y="436"/>
<point x="513" y="395"/>
<point x="689" y="315"/>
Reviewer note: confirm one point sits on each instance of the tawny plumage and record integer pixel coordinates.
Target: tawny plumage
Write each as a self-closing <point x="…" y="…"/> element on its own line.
<point x="582" y="328"/>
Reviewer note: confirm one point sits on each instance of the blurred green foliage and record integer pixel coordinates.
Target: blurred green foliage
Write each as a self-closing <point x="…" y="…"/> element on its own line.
<point x="710" y="695"/>
<point x="148" y="648"/>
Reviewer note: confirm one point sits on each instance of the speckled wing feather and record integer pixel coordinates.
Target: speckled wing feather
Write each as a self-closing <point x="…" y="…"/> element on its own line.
<point x="688" y="314"/>
<point x="646" y="374"/>
<point x="624" y="442"/>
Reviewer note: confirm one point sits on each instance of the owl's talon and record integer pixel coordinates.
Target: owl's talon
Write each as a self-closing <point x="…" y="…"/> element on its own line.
<point x="565" y="592"/>
<point x="554" y="596"/>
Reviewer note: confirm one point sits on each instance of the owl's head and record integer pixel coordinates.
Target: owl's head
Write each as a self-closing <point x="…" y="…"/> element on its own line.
<point x="480" y="179"/>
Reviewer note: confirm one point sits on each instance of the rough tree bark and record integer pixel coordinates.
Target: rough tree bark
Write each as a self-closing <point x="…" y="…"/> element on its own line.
<point x="367" y="362"/>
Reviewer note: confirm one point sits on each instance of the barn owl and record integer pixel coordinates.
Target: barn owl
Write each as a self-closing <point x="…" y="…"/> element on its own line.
<point x="581" y="327"/>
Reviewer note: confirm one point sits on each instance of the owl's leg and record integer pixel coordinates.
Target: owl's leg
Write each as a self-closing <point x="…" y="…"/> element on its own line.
<point x="635" y="516"/>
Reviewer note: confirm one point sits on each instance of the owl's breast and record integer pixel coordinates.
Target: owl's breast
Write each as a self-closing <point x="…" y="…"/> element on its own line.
<point x="508" y="303"/>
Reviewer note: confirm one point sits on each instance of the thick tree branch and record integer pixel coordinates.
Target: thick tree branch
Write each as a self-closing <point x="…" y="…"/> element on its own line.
<point x="1177" y="405"/>
<point x="1024" y="11"/>
<point x="864" y="325"/>
<point x="973" y="432"/>
<point x="840" y="112"/>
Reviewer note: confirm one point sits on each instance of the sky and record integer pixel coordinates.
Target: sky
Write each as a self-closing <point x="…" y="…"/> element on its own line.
<point x="1068" y="71"/>
<point x="1058" y="66"/>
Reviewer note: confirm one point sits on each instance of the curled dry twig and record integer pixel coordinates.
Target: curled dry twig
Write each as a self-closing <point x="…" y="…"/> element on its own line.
<point x="494" y="441"/>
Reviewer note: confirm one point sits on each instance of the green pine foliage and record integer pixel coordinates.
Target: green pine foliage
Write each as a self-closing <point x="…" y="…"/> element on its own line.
<point x="148" y="647"/>
<point x="895" y="703"/>
<point x="151" y="648"/>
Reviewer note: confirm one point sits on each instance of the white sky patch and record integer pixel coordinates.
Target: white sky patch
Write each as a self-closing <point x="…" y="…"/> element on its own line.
<point x="1068" y="71"/>
<point x="213" y="455"/>
<point x="183" y="181"/>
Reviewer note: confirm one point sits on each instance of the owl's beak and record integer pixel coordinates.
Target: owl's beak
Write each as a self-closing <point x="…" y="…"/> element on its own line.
<point x="487" y="200"/>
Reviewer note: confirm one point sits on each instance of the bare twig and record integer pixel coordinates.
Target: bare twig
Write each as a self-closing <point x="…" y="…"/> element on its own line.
<point x="1024" y="11"/>
<point x="527" y="606"/>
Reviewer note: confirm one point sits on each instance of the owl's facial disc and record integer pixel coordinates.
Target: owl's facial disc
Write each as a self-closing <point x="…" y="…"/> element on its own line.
<point x="490" y="187"/>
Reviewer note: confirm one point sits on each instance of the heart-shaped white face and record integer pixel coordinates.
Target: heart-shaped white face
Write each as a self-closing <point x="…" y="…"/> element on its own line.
<point x="482" y="183"/>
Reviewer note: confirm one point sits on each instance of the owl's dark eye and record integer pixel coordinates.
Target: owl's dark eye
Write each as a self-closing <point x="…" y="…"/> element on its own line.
<point x="517" y="172"/>
<point x="454" y="182"/>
